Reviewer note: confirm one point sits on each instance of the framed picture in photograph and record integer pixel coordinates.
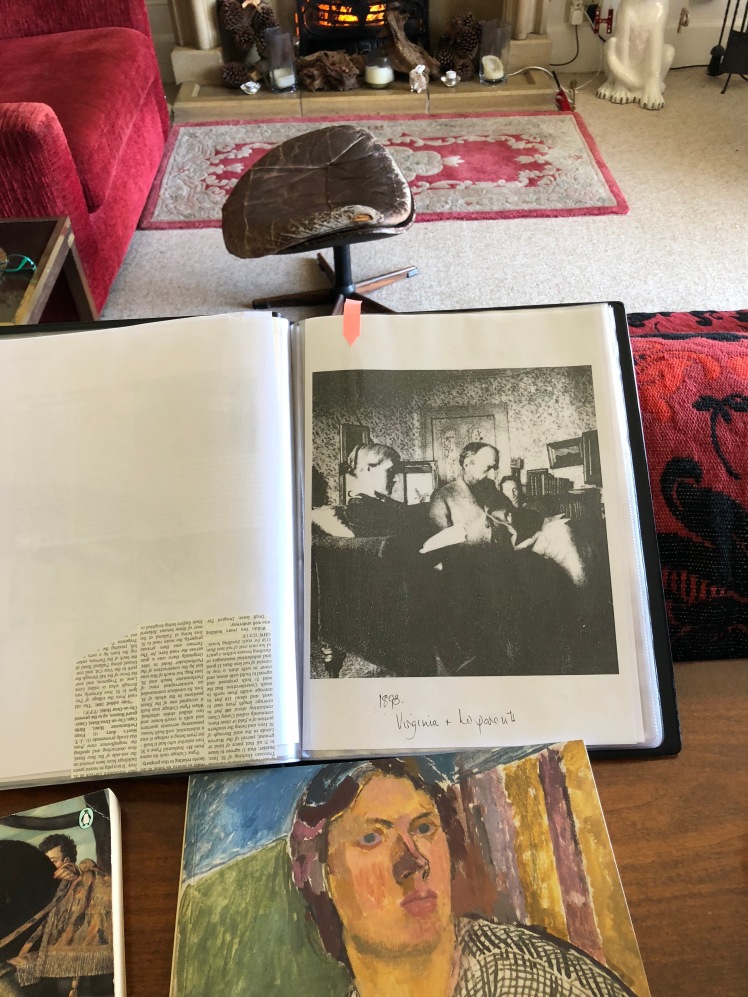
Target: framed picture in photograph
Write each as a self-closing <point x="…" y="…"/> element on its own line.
<point x="447" y="429"/>
<point x="415" y="481"/>
<point x="565" y="453"/>
<point x="352" y="435"/>
<point x="591" y="454"/>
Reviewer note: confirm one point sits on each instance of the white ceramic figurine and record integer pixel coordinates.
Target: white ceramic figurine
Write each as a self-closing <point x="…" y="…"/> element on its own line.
<point x="636" y="57"/>
<point x="419" y="79"/>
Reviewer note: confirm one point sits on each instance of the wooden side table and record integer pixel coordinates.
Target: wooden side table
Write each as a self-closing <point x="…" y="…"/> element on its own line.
<point x="50" y="243"/>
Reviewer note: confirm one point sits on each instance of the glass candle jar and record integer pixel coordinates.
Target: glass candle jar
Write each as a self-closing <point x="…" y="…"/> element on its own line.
<point x="494" y="52"/>
<point x="378" y="72"/>
<point x="281" y="71"/>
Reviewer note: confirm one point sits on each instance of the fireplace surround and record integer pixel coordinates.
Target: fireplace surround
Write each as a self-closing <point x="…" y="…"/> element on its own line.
<point x="196" y="25"/>
<point x="196" y="61"/>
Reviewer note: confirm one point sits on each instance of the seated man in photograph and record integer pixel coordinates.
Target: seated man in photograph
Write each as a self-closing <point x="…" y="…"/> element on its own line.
<point x="464" y="502"/>
<point x="475" y="616"/>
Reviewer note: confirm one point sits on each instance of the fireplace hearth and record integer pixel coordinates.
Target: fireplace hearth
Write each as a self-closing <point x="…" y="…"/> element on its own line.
<point x="356" y="26"/>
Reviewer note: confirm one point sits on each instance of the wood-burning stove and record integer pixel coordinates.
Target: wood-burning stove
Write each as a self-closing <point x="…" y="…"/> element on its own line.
<point x="356" y="26"/>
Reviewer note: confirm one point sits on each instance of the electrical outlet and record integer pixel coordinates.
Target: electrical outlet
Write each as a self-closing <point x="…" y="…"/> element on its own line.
<point x="575" y="11"/>
<point x="599" y="20"/>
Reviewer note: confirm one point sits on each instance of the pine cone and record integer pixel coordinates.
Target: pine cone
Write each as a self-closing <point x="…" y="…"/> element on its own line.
<point x="263" y="17"/>
<point x="244" y="37"/>
<point x="444" y="54"/>
<point x="465" y="32"/>
<point x="465" y="68"/>
<point x="234" y="74"/>
<point x="230" y="14"/>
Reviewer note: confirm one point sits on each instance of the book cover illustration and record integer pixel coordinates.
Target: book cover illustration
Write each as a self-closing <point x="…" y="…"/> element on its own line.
<point x="57" y="930"/>
<point x="481" y="873"/>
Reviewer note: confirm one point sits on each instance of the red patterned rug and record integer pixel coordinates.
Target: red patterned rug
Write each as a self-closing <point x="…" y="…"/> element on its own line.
<point x="471" y="167"/>
<point x="692" y="375"/>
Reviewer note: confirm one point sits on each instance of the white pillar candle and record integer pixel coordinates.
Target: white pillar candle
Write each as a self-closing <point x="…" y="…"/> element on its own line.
<point x="379" y="76"/>
<point x="493" y="67"/>
<point x="284" y="77"/>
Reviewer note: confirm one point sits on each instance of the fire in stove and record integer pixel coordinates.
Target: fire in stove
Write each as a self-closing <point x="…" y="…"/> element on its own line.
<point x="356" y="26"/>
<point x="332" y="15"/>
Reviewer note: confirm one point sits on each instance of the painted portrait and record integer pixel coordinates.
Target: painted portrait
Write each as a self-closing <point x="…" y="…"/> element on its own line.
<point x="470" y="875"/>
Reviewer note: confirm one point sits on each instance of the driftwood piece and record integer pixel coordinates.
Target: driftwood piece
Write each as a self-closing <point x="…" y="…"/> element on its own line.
<point x="329" y="71"/>
<point x="404" y="55"/>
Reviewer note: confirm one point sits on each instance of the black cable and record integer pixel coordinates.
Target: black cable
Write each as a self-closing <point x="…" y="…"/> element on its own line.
<point x="559" y="64"/>
<point x="696" y="65"/>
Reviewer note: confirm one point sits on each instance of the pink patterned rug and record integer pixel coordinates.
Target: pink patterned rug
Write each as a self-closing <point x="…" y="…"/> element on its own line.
<point x="543" y="164"/>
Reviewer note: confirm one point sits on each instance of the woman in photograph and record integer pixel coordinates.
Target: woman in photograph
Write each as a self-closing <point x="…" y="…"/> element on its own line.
<point x="370" y="510"/>
<point x="374" y="849"/>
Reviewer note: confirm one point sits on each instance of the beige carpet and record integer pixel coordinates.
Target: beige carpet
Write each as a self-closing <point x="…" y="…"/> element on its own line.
<point x="683" y="246"/>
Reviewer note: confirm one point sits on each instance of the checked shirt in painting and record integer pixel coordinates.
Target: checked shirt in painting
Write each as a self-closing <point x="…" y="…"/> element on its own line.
<point x="511" y="960"/>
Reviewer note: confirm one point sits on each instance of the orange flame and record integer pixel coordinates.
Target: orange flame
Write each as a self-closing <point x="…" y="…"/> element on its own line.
<point x="333" y="15"/>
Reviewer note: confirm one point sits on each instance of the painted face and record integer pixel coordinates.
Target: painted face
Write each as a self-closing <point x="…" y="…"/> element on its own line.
<point x="480" y="465"/>
<point x="389" y="870"/>
<point x="56" y="857"/>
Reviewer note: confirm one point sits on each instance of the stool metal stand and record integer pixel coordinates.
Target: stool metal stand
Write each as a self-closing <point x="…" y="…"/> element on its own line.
<point x="342" y="286"/>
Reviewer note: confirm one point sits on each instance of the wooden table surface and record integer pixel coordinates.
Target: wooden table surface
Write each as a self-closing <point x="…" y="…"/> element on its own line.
<point x="679" y="828"/>
<point x="50" y="244"/>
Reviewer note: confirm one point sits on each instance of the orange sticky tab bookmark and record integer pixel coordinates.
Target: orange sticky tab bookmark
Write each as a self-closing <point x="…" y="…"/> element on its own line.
<point x="351" y="320"/>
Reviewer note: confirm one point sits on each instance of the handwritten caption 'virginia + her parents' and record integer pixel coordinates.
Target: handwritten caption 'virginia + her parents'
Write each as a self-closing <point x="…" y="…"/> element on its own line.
<point x="411" y="723"/>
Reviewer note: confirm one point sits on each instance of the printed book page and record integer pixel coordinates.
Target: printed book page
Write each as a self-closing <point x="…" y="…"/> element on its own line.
<point x="474" y="571"/>
<point x="185" y="695"/>
<point x="146" y="488"/>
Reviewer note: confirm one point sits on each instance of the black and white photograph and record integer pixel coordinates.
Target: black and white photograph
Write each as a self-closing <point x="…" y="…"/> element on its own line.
<point x="463" y="534"/>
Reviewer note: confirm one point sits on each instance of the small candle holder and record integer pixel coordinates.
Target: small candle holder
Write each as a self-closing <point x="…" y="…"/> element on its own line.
<point x="494" y="52"/>
<point x="450" y="78"/>
<point x="378" y="73"/>
<point x="281" y="72"/>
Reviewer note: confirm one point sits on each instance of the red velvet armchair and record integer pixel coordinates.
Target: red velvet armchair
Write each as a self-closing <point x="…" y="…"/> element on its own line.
<point x="83" y="121"/>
